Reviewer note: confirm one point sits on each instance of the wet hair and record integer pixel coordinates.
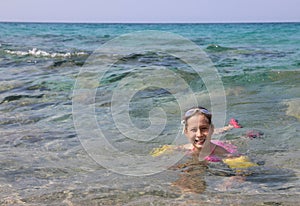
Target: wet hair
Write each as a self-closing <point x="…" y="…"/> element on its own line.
<point x="193" y="111"/>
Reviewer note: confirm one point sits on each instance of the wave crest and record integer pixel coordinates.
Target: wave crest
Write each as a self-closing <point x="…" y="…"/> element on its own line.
<point x="40" y="53"/>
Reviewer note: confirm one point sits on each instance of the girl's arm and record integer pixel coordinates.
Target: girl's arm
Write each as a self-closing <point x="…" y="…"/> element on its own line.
<point x="233" y="123"/>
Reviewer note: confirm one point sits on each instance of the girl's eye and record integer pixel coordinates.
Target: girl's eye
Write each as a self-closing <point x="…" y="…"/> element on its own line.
<point x="204" y="129"/>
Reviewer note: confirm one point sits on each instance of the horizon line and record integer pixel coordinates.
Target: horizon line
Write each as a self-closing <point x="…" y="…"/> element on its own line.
<point x="146" y="22"/>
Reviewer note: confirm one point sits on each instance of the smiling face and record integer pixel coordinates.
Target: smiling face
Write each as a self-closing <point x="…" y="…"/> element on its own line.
<point x="198" y="130"/>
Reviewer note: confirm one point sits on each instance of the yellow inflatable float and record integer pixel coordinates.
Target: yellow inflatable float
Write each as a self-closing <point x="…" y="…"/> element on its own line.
<point x="240" y="162"/>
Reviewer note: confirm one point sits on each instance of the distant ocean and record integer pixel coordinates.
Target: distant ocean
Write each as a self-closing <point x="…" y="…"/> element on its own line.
<point x="43" y="162"/>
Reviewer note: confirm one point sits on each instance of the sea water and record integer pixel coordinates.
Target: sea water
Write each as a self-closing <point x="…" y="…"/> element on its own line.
<point x="42" y="155"/>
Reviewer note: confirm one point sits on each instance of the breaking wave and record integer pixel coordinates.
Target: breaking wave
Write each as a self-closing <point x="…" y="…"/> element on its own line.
<point x="40" y="53"/>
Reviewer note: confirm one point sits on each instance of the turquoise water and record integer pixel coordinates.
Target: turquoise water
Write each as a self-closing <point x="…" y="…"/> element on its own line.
<point x="44" y="162"/>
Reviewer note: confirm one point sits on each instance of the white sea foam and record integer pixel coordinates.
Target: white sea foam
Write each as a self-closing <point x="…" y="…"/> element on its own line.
<point x="40" y="53"/>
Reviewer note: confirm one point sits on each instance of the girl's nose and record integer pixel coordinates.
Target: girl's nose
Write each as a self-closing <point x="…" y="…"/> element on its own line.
<point x="198" y="133"/>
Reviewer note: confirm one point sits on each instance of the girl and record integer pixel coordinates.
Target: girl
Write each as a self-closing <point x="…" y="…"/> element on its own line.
<point x="198" y="128"/>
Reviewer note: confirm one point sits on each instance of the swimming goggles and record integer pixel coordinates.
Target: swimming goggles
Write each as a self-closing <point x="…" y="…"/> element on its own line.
<point x="193" y="111"/>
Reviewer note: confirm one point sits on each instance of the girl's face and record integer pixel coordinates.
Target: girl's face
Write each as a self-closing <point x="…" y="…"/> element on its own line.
<point x="198" y="130"/>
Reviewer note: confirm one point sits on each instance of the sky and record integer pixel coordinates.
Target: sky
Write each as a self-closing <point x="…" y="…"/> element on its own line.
<point x="150" y="11"/>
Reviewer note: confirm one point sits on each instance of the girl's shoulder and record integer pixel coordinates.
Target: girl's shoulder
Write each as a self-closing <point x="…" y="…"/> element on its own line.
<point x="188" y="146"/>
<point x="220" y="149"/>
<point x="220" y="145"/>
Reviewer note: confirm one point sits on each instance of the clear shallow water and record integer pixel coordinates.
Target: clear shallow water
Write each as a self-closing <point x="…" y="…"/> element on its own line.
<point x="43" y="162"/>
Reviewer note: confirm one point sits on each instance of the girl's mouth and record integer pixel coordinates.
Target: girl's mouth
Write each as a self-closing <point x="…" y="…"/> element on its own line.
<point x="199" y="141"/>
